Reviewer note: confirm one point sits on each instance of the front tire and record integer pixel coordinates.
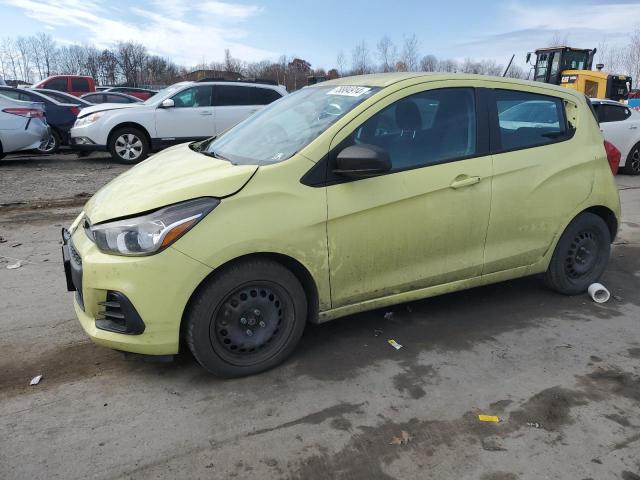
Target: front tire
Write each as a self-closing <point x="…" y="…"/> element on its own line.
<point x="632" y="165"/>
<point x="128" y="145"/>
<point x="246" y="319"/>
<point x="581" y="255"/>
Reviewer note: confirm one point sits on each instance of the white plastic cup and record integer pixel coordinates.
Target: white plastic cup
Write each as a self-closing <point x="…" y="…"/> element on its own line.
<point x="599" y="293"/>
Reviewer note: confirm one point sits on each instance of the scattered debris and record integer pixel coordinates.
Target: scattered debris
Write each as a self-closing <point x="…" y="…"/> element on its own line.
<point x="564" y="345"/>
<point x="35" y="380"/>
<point x="598" y="293"/>
<point x="388" y="315"/>
<point x="534" y="425"/>
<point x="394" y="344"/>
<point x="492" y="445"/>
<point x="16" y="244"/>
<point x="377" y="332"/>
<point x="403" y="439"/>
<point x="488" y="418"/>
<point x="13" y="266"/>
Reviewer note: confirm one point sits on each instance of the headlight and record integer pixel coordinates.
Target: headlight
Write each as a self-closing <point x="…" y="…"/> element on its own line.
<point x="150" y="233"/>
<point x="89" y="119"/>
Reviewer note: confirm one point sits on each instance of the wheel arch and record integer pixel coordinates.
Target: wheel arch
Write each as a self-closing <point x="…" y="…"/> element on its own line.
<point x="607" y="215"/>
<point x="294" y="266"/>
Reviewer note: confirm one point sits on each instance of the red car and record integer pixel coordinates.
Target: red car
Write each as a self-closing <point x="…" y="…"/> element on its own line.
<point x="73" y="84"/>
<point x="141" y="93"/>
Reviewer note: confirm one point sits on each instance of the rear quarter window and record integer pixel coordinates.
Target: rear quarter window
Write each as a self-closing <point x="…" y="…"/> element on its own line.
<point x="528" y="120"/>
<point x="263" y="96"/>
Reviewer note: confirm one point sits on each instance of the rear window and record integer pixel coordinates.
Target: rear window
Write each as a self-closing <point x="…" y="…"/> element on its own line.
<point x="59" y="84"/>
<point x="117" y="99"/>
<point x="263" y="96"/>
<point x="529" y="120"/>
<point x="79" y="85"/>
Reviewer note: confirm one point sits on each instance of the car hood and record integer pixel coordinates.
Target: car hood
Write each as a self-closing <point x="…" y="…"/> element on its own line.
<point x="104" y="107"/>
<point x="171" y="176"/>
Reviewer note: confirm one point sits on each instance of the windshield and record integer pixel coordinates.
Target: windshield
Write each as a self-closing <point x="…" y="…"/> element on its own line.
<point x="280" y="130"/>
<point x="575" y="60"/>
<point x="163" y="93"/>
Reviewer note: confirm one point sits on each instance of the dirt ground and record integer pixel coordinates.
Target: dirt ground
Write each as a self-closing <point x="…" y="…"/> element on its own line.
<point x="562" y="373"/>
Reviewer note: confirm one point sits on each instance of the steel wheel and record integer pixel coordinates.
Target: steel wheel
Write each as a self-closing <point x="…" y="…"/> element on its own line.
<point x="129" y="147"/>
<point x="246" y="318"/>
<point x="248" y="324"/>
<point x="581" y="256"/>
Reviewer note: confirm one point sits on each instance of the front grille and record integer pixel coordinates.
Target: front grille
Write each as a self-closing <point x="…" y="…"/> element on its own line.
<point x="75" y="255"/>
<point x="119" y="315"/>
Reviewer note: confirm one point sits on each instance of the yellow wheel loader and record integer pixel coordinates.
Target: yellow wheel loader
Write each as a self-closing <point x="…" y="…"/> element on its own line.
<point x="572" y="68"/>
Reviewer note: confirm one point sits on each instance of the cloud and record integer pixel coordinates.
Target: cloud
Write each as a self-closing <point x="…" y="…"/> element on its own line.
<point x="165" y="27"/>
<point x="527" y="26"/>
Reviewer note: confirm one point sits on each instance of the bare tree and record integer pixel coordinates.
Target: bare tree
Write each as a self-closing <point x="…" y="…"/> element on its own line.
<point x="448" y="65"/>
<point x="23" y="48"/>
<point x="410" y="54"/>
<point x="429" y="63"/>
<point x="632" y="56"/>
<point x="10" y="58"/>
<point x="47" y="51"/>
<point x="231" y="64"/>
<point x="360" y="59"/>
<point x="387" y="53"/>
<point x="559" y="40"/>
<point x="341" y="61"/>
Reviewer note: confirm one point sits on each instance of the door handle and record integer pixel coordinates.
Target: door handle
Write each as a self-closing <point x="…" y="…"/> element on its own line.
<point x="462" y="181"/>
<point x="633" y="127"/>
<point x="206" y="113"/>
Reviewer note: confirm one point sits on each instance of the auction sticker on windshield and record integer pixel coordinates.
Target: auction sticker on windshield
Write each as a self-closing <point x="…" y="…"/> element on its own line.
<point x="349" y="91"/>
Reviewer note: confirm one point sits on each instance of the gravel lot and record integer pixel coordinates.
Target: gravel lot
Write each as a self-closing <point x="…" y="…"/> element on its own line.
<point x="562" y="373"/>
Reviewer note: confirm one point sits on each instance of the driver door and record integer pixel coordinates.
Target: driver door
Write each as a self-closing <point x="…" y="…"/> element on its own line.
<point x="424" y="222"/>
<point x="192" y="116"/>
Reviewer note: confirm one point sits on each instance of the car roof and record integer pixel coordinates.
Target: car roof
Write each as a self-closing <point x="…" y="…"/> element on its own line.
<point x="607" y="101"/>
<point x="235" y="83"/>
<point x="383" y="80"/>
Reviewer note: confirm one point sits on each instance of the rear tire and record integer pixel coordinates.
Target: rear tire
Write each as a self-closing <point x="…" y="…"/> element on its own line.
<point x="581" y="255"/>
<point x="632" y="165"/>
<point x="246" y="319"/>
<point x="128" y="145"/>
<point x="52" y="145"/>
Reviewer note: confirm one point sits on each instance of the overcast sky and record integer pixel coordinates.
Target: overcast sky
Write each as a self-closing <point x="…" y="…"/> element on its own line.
<point x="189" y="32"/>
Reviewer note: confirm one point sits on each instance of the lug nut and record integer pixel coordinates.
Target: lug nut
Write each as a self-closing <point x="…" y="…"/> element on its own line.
<point x="249" y="332"/>
<point x="243" y="321"/>
<point x="262" y="324"/>
<point x="256" y="312"/>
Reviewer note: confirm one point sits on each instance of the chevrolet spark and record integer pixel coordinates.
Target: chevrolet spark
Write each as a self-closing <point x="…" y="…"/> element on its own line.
<point x="346" y="196"/>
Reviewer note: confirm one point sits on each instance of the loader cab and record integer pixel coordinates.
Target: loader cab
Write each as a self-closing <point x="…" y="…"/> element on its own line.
<point x="551" y="62"/>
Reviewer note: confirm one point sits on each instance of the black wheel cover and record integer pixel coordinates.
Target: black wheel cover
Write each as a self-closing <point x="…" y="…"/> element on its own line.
<point x="582" y="256"/>
<point x="251" y="323"/>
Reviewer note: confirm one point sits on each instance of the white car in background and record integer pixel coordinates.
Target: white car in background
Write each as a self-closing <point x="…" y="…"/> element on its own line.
<point x="620" y="125"/>
<point x="22" y="125"/>
<point x="183" y="112"/>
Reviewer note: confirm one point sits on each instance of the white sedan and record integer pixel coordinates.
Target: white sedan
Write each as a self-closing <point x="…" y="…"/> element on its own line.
<point x="621" y="126"/>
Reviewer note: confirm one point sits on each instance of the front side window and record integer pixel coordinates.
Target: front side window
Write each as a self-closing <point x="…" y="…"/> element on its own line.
<point x="423" y="129"/>
<point x="59" y="84"/>
<point x="279" y="130"/>
<point x="193" y="97"/>
<point x="528" y="119"/>
<point x="79" y="85"/>
<point x="117" y="99"/>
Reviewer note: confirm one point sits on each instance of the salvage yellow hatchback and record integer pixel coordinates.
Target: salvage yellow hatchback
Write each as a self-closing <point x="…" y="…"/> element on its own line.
<point x="346" y="196"/>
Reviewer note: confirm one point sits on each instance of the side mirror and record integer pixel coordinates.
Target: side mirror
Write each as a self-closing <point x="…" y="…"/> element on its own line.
<point x="167" y="103"/>
<point x="362" y="161"/>
<point x="528" y="57"/>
